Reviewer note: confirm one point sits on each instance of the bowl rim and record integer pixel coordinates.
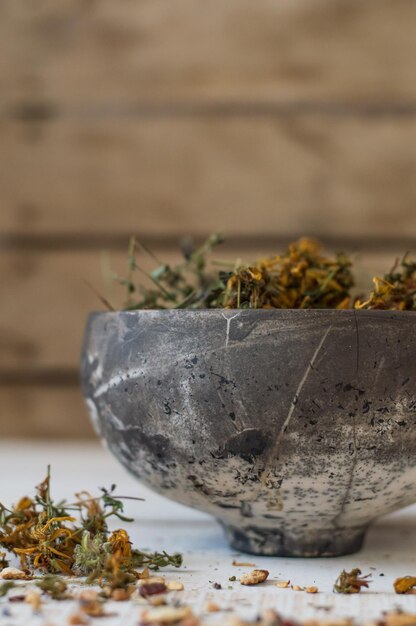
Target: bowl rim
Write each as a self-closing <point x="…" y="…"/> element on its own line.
<point x="260" y="312"/>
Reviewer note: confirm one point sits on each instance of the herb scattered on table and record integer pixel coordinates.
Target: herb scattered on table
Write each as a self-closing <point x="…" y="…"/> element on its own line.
<point x="73" y="538"/>
<point x="254" y="577"/>
<point x="407" y="584"/>
<point x="351" y="582"/>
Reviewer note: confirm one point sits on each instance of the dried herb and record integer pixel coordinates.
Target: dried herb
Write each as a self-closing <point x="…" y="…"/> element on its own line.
<point x="91" y="554"/>
<point x="301" y="277"/>
<point x="117" y="575"/>
<point x="395" y="290"/>
<point x="54" y="586"/>
<point x="351" y="582"/>
<point x="46" y="535"/>
<point x="407" y="584"/>
<point x="155" y="560"/>
<point x="186" y="285"/>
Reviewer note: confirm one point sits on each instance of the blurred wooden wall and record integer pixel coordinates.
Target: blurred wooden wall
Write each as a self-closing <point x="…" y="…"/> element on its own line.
<point x="264" y="120"/>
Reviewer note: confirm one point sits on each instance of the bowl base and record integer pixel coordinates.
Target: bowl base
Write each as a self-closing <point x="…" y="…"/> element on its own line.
<point x="313" y="543"/>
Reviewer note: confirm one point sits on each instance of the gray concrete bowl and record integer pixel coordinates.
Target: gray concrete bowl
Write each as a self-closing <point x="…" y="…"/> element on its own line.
<point x="294" y="428"/>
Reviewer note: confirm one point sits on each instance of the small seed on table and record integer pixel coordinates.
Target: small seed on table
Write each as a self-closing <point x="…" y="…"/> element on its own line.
<point x="283" y="584"/>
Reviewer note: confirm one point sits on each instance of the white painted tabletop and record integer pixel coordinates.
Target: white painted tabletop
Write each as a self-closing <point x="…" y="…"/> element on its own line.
<point x="389" y="552"/>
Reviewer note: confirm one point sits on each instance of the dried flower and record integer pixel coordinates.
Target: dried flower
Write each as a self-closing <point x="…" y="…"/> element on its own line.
<point x="301" y="278"/>
<point x="50" y="544"/>
<point x="395" y="290"/>
<point x="91" y="554"/>
<point x="121" y="546"/>
<point x="406" y="584"/>
<point x="351" y="582"/>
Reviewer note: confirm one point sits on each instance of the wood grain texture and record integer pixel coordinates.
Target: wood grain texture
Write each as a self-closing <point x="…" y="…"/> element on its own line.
<point x="304" y="174"/>
<point x="106" y="54"/>
<point x="44" y="413"/>
<point x="46" y="299"/>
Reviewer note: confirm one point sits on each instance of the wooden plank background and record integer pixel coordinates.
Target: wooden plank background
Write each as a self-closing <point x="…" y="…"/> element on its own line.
<point x="263" y="120"/>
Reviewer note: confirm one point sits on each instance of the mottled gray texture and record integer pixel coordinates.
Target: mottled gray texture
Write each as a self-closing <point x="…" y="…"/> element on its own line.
<point x="294" y="428"/>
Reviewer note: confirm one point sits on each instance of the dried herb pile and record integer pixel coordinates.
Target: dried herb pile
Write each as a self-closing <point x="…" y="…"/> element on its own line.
<point x="301" y="277"/>
<point x="395" y="290"/>
<point x="73" y="538"/>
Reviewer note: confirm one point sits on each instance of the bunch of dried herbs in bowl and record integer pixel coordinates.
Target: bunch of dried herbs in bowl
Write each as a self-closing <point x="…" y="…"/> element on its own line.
<point x="300" y="277"/>
<point x="265" y="393"/>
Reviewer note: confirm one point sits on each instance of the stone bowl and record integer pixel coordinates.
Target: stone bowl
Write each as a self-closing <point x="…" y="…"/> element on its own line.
<point x="294" y="428"/>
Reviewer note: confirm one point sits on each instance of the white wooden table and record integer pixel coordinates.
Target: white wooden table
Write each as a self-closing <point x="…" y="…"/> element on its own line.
<point x="389" y="552"/>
